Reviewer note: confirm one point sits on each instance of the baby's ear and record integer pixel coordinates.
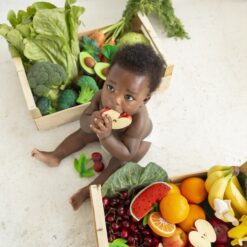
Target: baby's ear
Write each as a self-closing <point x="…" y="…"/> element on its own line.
<point x="147" y="99"/>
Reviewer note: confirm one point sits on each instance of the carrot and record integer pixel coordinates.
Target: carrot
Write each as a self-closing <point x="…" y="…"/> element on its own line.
<point x="99" y="36"/>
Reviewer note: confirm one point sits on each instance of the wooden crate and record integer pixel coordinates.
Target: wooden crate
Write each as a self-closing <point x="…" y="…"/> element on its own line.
<point x="98" y="209"/>
<point x="141" y="24"/>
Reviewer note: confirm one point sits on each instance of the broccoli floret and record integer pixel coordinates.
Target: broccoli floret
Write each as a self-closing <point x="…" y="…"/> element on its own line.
<point x="46" y="78"/>
<point x="67" y="99"/>
<point x="88" y="88"/>
<point x="44" y="105"/>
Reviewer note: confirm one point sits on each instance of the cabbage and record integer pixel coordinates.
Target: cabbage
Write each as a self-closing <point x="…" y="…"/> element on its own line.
<point x="132" y="38"/>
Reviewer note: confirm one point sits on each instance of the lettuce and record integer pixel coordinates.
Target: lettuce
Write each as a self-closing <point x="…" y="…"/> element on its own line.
<point x="46" y="33"/>
<point x="133" y="176"/>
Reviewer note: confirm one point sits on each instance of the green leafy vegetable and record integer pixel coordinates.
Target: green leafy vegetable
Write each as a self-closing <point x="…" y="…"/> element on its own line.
<point x="88" y="88"/>
<point x="162" y="9"/>
<point x="132" y="176"/>
<point x="108" y="51"/>
<point x="46" y="33"/>
<point x="81" y="166"/>
<point x="90" y="46"/>
<point x="119" y="242"/>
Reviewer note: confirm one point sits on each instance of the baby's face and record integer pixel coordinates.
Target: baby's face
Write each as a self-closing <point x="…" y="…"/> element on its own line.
<point x="124" y="91"/>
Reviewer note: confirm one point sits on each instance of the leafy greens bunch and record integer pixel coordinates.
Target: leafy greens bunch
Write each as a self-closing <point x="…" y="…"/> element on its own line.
<point x="45" y="32"/>
<point x="162" y="9"/>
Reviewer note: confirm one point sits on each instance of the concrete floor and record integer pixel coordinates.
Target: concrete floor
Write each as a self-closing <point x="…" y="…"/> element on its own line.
<point x="198" y="122"/>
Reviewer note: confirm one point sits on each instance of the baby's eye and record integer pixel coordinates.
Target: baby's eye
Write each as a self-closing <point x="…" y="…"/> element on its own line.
<point x="129" y="97"/>
<point x="110" y="88"/>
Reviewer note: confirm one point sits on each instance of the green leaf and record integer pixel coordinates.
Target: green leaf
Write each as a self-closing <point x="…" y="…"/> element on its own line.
<point x="132" y="176"/>
<point x="108" y="51"/>
<point x="156" y="207"/>
<point x="119" y="242"/>
<point x="88" y="173"/>
<point x="77" y="165"/>
<point x="90" y="46"/>
<point x="145" y="220"/>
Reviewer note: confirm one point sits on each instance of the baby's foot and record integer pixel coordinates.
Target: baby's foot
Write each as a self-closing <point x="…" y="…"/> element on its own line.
<point x="47" y="157"/>
<point x="78" y="198"/>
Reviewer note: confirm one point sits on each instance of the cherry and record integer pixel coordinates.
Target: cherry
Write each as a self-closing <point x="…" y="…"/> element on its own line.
<point x="124" y="195"/>
<point x="126" y="223"/>
<point x="98" y="166"/>
<point x="96" y="156"/>
<point x="106" y="201"/>
<point x="148" y="241"/>
<point x="124" y="233"/>
<point x="110" y="218"/>
<point x="120" y="211"/>
<point x="131" y="240"/>
<point x="115" y="226"/>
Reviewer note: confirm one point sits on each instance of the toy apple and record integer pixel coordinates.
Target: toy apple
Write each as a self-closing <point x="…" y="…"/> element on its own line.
<point x="98" y="166"/>
<point x="178" y="239"/>
<point x="204" y="236"/>
<point x="119" y="121"/>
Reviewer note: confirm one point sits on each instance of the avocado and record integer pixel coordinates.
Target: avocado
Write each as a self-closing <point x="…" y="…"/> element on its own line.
<point x="100" y="69"/>
<point x="87" y="62"/>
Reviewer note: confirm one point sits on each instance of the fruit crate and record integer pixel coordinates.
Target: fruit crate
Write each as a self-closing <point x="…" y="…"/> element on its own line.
<point x="139" y="24"/>
<point x="98" y="209"/>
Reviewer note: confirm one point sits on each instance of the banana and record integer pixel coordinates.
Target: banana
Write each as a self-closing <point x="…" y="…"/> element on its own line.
<point x="218" y="168"/>
<point x="238" y="201"/>
<point x="215" y="176"/>
<point x="218" y="188"/>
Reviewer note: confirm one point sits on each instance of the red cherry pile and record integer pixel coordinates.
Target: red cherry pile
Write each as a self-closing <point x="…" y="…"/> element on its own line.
<point x="98" y="164"/>
<point x="120" y="223"/>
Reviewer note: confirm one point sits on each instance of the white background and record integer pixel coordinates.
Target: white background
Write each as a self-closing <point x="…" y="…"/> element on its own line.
<point x="201" y="120"/>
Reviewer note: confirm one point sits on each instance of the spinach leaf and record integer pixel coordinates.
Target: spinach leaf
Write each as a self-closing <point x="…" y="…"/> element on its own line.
<point x="132" y="176"/>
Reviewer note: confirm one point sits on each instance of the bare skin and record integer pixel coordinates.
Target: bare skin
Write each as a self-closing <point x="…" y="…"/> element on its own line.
<point x="123" y="91"/>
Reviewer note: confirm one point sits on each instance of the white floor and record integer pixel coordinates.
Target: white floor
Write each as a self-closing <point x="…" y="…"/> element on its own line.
<point x="199" y="121"/>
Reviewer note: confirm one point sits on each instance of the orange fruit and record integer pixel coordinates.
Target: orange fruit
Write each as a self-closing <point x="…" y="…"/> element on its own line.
<point x="160" y="226"/>
<point x="195" y="213"/>
<point x="174" y="189"/>
<point x="193" y="189"/>
<point x="174" y="208"/>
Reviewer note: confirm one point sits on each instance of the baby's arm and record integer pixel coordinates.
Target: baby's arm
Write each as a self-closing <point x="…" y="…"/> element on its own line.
<point x="92" y="111"/>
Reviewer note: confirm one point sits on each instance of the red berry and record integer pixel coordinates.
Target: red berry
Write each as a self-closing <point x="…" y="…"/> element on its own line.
<point x="99" y="166"/>
<point x="96" y="156"/>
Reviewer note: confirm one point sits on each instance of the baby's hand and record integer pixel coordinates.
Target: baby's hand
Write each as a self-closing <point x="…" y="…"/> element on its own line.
<point x="102" y="127"/>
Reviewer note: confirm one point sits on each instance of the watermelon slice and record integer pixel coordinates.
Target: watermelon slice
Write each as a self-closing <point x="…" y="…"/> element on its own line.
<point x="142" y="203"/>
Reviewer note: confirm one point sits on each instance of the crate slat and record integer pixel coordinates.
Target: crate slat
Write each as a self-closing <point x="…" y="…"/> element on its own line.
<point x="99" y="216"/>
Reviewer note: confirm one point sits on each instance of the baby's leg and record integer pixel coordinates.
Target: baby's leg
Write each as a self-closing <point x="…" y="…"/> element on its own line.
<point x="71" y="144"/>
<point x="77" y="199"/>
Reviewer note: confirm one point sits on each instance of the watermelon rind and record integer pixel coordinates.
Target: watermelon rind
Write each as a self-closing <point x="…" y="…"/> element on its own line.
<point x="147" y="205"/>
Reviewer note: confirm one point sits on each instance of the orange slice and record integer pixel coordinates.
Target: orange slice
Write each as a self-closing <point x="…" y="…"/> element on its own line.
<point x="160" y="226"/>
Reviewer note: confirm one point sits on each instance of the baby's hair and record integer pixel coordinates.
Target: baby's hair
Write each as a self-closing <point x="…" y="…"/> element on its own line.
<point x="142" y="60"/>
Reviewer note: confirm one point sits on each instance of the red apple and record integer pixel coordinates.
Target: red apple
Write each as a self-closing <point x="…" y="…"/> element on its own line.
<point x="98" y="166"/>
<point x="178" y="239"/>
<point x="221" y="228"/>
<point x="119" y="121"/>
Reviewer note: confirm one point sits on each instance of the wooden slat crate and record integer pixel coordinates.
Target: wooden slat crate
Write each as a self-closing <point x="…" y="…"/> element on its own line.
<point x="98" y="209"/>
<point x="140" y="23"/>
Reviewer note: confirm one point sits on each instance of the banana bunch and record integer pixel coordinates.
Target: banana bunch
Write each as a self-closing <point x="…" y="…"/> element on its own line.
<point x="222" y="183"/>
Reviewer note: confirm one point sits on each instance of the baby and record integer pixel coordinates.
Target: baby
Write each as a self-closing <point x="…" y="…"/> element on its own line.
<point x="134" y="74"/>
